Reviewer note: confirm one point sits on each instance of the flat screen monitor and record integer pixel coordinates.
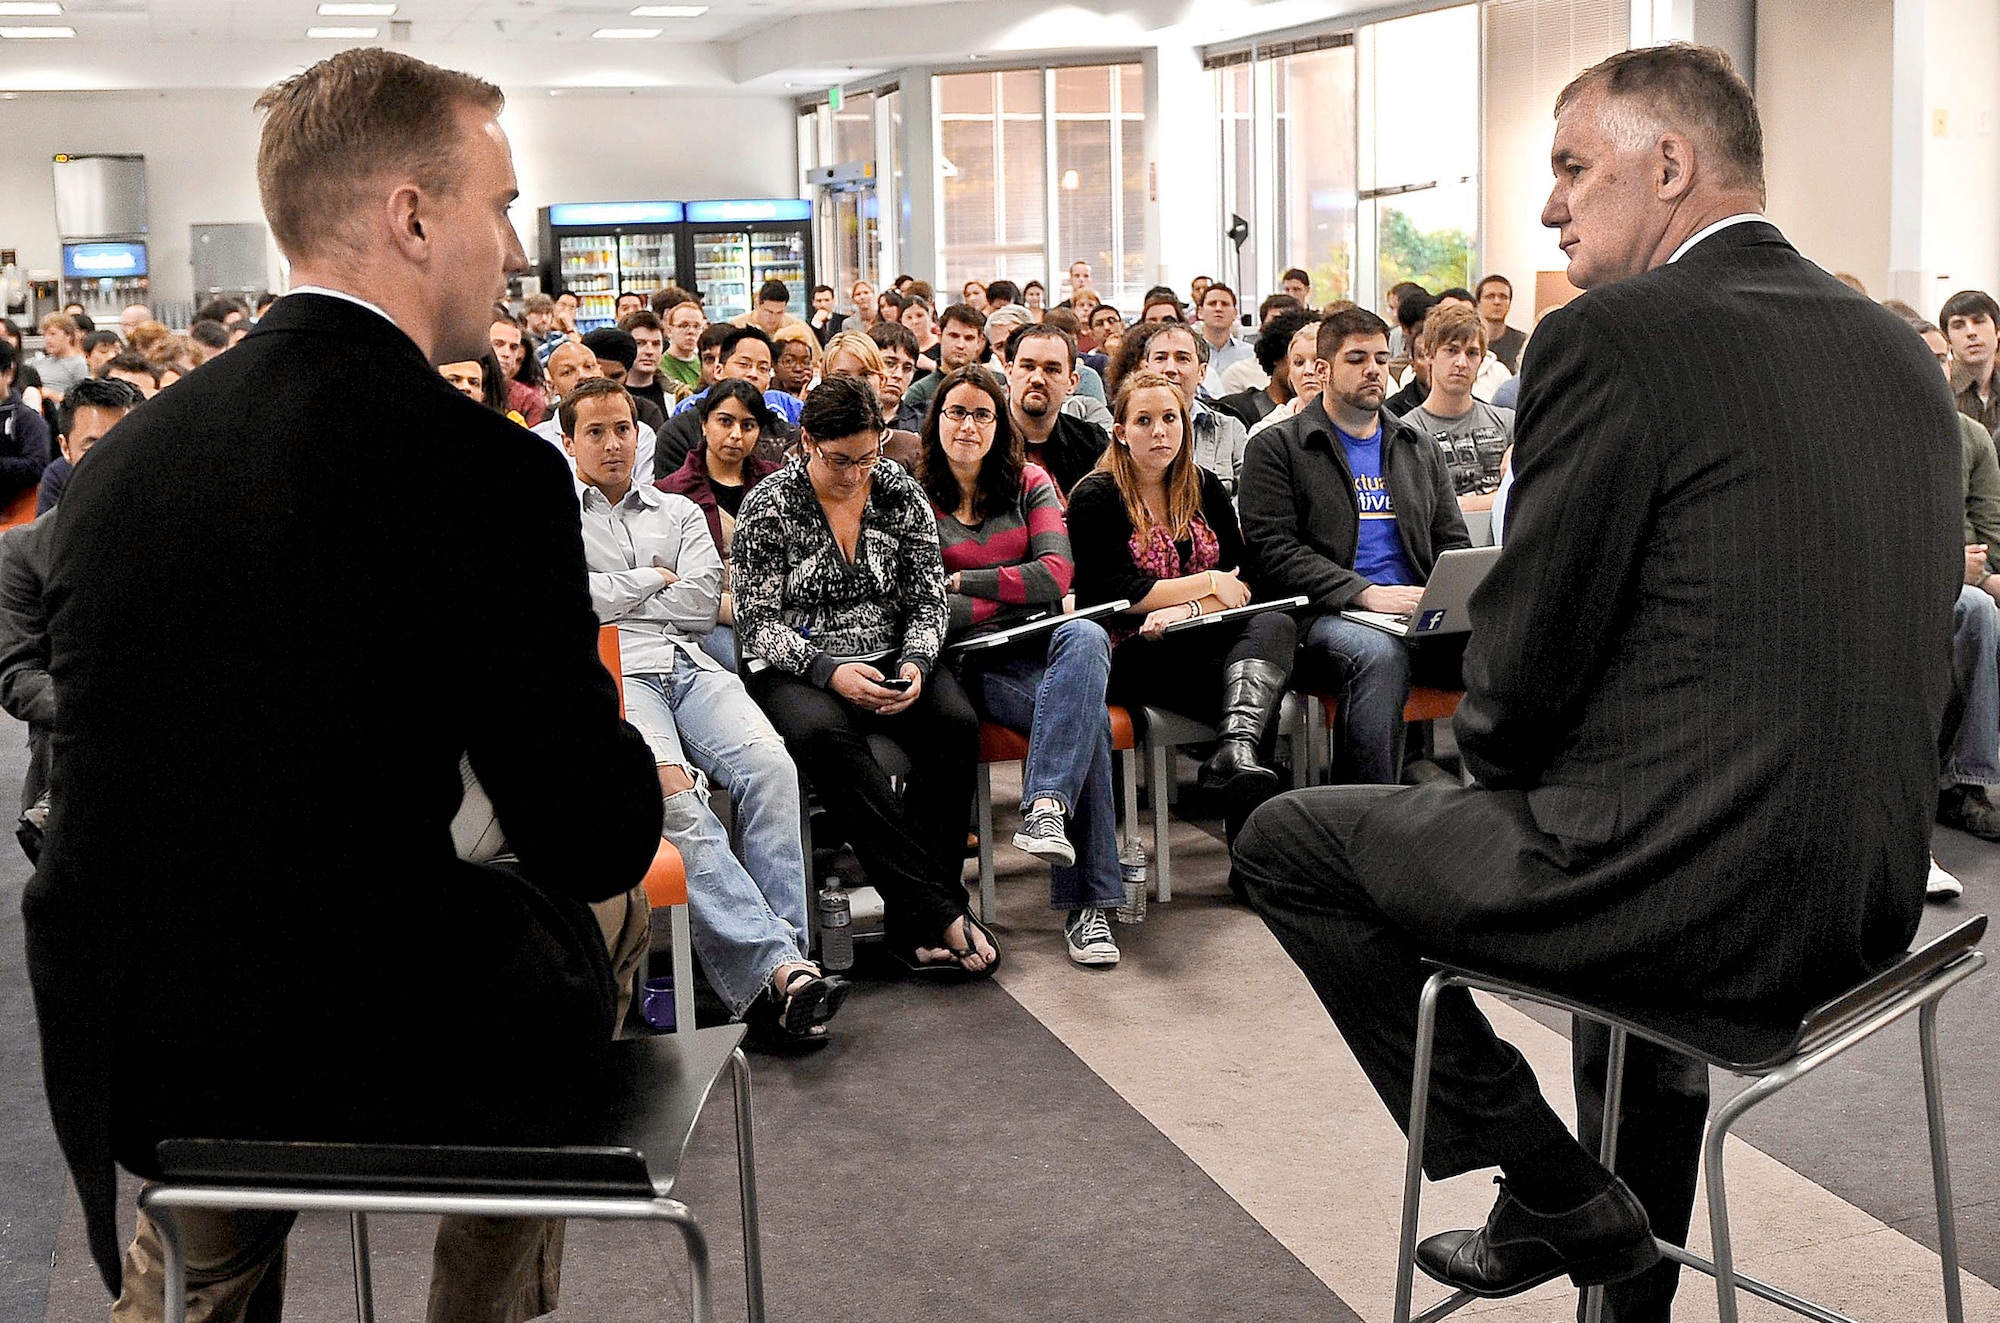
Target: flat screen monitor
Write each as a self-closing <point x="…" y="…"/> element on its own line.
<point x="103" y="261"/>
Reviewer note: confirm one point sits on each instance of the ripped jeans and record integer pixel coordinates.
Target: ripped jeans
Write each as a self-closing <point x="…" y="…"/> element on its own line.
<point x="747" y="917"/>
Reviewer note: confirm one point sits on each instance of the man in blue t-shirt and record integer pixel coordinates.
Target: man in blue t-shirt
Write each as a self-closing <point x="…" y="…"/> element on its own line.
<point x="1350" y="507"/>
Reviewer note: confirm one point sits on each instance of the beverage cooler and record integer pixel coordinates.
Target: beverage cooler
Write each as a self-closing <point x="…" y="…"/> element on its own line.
<point x="736" y="245"/>
<point x="598" y="249"/>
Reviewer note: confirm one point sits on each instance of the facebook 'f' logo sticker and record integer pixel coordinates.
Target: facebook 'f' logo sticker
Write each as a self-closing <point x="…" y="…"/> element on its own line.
<point x="1429" y="622"/>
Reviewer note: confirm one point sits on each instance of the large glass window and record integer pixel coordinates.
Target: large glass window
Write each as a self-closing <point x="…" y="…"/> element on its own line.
<point x="1314" y="204"/>
<point x="1235" y="94"/>
<point x="1421" y="188"/>
<point x="1041" y="168"/>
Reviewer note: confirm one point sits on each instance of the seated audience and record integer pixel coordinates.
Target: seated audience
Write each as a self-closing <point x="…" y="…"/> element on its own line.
<point x="61" y="363"/>
<point x="961" y="341"/>
<point x="654" y="571"/>
<point x="866" y="313"/>
<point x="826" y="323"/>
<point x="1000" y="531"/>
<point x="1472" y="434"/>
<point x="24" y="433"/>
<point x="1107" y="329"/>
<point x="681" y="362"/>
<point x="134" y="371"/>
<point x="973" y="295"/>
<point x="1273" y="350"/>
<point x="899" y="370"/>
<point x="572" y="364"/>
<point x="1495" y="295"/>
<point x="206" y="338"/>
<point x="1302" y="375"/>
<point x="1411" y="310"/>
<point x="617" y="353"/>
<point x="92" y="408"/>
<point x="1035" y="298"/>
<point x="772" y="309"/>
<point x="840" y="594"/>
<point x="1154" y="528"/>
<point x="708" y="357"/>
<point x="99" y="348"/>
<point x="917" y="318"/>
<point x="1219" y="310"/>
<point x="1350" y="508"/>
<point x="646" y="380"/>
<point x="1297" y="282"/>
<point x="1971" y="321"/>
<point x="734" y="419"/>
<point x="853" y="354"/>
<point x="1088" y="380"/>
<point x="1178" y="353"/>
<point x="743" y="354"/>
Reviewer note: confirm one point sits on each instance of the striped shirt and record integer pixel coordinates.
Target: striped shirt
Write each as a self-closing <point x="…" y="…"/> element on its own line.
<point x="1018" y="557"/>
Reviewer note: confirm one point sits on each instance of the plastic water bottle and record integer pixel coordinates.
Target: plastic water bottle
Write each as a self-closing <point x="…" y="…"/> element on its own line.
<point x="836" y="933"/>
<point x="1132" y="870"/>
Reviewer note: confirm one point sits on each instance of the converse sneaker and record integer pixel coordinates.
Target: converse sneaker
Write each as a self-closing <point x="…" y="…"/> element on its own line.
<point x="1089" y="936"/>
<point x="1042" y="836"/>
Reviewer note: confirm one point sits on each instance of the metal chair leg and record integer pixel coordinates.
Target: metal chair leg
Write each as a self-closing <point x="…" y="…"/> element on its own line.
<point x="983" y="802"/>
<point x="1954" y="1301"/>
<point x="682" y="940"/>
<point x="176" y="1291"/>
<point x="1718" y="1216"/>
<point x="1130" y="763"/>
<point x="1413" y="1165"/>
<point x="364" y="1279"/>
<point x="699" y="1293"/>
<point x="1607" y="1145"/>
<point x="746" y="1175"/>
<point x="1162" y="856"/>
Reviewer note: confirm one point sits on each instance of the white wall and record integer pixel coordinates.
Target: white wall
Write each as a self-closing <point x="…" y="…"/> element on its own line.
<point x="1823" y="88"/>
<point x="201" y="152"/>
<point x="1961" y="164"/>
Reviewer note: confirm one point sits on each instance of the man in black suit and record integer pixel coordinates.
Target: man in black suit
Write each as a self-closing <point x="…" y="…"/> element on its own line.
<point x="275" y="633"/>
<point x="1706" y="766"/>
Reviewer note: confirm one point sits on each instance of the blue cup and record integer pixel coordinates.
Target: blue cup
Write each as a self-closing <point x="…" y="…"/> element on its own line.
<point x="657" y="1003"/>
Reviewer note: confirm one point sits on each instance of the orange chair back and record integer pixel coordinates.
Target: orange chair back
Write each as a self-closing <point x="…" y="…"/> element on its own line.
<point x="20" y="510"/>
<point x="607" y="652"/>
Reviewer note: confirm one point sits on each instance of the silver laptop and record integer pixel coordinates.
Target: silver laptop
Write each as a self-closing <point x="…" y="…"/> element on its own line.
<point x="1443" y="608"/>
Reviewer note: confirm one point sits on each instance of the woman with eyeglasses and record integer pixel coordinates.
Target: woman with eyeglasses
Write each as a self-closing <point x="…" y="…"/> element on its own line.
<point x="840" y="593"/>
<point x="1152" y="527"/>
<point x="1006" y="554"/>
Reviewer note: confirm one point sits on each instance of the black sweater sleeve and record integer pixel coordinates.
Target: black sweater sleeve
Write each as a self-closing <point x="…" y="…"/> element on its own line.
<point x="1220" y="512"/>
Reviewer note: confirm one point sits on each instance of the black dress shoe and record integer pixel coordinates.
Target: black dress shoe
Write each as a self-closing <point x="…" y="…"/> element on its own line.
<point x="1605" y="1239"/>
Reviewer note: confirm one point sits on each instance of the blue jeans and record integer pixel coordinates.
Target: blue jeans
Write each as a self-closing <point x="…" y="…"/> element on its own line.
<point x="720" y="643"/>
<point x="1975" y="641"/>
<point x="1369" y="672"/>
<point x="747" y="918"/>
<point x="1059" y="705"/>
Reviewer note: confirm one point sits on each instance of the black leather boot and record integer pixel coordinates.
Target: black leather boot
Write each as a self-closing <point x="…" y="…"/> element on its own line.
<point x="1251" y="694"/>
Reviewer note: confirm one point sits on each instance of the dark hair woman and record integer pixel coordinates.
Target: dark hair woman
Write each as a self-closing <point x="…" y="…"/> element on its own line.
<point x="1152" y="527"/>
<point x="716" y="475"/>
<point x="840" y="591"/>
<point x="1006" y="552"/>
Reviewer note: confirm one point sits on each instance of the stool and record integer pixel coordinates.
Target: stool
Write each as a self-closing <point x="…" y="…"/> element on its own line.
<point x="656" y="1088"/>
<point x="1775" y="1056"/>
<point x="998" y="744"/>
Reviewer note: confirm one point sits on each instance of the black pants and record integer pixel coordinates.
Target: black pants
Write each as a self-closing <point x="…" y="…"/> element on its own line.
<point x="1486" y="1108"/>
<point x="1182" y="672"/>
<point x="911" y="846"/>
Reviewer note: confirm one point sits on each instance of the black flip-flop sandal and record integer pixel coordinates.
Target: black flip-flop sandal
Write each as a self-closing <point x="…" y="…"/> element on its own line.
<point x="972" y="949"/>
<point x="807" y="1001"/>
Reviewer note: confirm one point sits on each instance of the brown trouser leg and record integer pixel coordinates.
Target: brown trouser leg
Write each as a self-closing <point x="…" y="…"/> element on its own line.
<point x="483" y="1269"/>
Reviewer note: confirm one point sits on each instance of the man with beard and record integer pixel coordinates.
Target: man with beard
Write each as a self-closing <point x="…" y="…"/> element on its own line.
<point x="1041" y="373"/>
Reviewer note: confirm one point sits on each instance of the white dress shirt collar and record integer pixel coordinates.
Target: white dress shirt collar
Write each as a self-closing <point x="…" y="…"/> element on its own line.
<point x="639" y="493"/>
<point x="1705" y="231"/>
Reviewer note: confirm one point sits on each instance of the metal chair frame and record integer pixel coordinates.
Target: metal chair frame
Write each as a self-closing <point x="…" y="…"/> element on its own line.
<point x="1163" y="732"/>
<point x="983" y="803"/>
<point x="1914" y="984"/>
<point x="643" y="1196"/>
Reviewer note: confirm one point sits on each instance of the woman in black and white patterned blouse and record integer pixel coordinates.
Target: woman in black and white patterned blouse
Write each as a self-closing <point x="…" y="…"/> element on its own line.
<point x="840" y="592"/>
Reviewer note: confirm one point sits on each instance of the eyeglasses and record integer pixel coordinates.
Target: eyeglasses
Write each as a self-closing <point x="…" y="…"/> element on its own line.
<point x="958" y="413"/>
<point x="842" y="464"/>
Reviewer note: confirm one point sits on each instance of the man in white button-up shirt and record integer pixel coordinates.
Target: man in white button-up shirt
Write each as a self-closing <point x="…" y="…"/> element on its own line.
<point x="654" y="571"/>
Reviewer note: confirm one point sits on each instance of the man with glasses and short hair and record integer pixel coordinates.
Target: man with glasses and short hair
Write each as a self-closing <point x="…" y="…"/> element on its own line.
<point x="899" y="370"/>
<point x="746" y="354"/>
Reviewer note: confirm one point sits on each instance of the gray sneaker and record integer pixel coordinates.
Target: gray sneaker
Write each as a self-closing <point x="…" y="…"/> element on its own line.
<point x="1088" y="934"/>
<point x="1042" y="836"/>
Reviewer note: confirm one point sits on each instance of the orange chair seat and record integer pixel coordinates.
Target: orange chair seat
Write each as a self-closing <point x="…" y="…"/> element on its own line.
<point x="667" y="879"/>
<point x="20" y="510"/>
<point x="1424" y="704"/>
<point x="997" y="744"/>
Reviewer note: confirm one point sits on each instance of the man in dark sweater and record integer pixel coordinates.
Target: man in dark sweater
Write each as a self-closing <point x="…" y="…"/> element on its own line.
<point x="1041" y="373"/>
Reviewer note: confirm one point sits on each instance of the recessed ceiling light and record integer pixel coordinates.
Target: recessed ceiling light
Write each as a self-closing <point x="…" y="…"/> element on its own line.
<point x="344" y="34"/>
<point x="625" y="34"/>
<point x="356" y="11"/>
<point x="30" y="9"/>
<point x="31" y="34"/>
<point x="670" y="11"/>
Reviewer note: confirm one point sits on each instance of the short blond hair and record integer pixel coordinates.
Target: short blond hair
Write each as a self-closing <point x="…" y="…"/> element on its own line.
<point x="346" y="122"/>
<point x="858" y="344"/>
<point x="59" y="321"/>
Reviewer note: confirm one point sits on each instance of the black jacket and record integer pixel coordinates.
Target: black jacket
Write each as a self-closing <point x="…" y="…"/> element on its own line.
<point x="1301" y="521"/>
<point x="249" y="919"/>
<point x="1071" y="451"/>
<point x="1706" y="674"/>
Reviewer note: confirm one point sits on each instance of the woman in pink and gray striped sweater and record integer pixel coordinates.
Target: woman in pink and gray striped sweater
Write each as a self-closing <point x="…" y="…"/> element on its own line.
<point x="1006" y="555"/>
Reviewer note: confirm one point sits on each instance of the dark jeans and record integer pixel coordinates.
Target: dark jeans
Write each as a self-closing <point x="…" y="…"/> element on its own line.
<point x="1183" y="672"/>
<point x="1486" y="1108"/>
<point x="912" y="846"/>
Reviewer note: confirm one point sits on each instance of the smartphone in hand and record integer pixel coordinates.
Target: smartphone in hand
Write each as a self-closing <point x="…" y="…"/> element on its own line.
<point x="898" y="684"/>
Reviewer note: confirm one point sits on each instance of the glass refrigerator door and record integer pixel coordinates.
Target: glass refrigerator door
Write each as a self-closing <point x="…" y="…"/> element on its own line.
<point x="589" y="269"/>
<point x="645" y="262"/>
<point x="781" y="255"/>
<point x="722" y="271"/>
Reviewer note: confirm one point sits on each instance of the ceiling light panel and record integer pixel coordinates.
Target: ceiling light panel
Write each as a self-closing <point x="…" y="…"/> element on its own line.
<point x="30" y="9"/>
<point x="670" y="11"/>
<point x="34" y="34"/>
<point x="343" y="34"/>
<point x="356" y="11"/>
<point x="626" y="34"/>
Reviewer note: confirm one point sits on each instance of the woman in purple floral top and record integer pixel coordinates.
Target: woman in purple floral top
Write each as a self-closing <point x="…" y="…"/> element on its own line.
<point x="1153" y="527"/>
<point x="840" y="592"/>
